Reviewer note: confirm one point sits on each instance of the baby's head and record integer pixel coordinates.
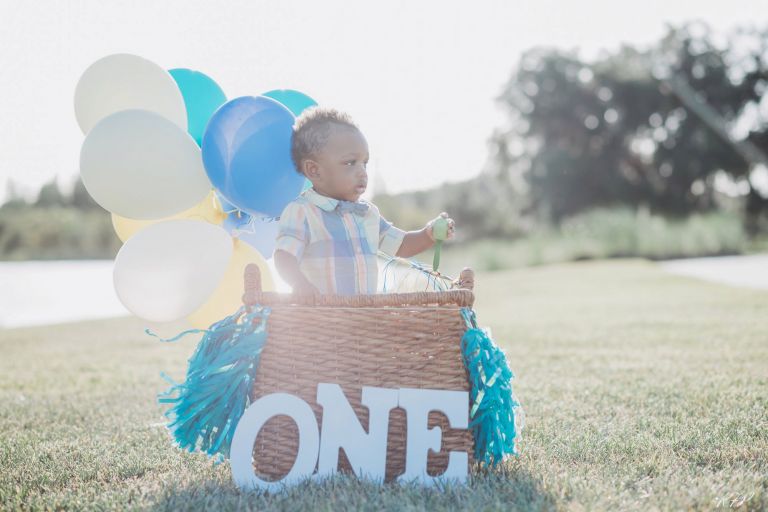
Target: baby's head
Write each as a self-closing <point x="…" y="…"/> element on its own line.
<point x="330" y="150"/>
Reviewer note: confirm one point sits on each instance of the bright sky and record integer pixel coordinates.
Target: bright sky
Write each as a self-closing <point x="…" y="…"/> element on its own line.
<point x="420" y="78"/>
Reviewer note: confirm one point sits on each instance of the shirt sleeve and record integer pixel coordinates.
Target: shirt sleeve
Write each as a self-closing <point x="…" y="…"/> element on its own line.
<point x="390" y="237"/>
<point x="292" y="230"/>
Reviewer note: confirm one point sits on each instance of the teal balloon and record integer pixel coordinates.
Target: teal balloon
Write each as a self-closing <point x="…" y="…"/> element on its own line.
<point x="295" y="101"/>
<point x="202" y="96"/>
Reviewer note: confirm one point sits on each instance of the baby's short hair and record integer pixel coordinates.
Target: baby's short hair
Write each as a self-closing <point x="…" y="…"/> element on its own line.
<point x="312" y="130"/>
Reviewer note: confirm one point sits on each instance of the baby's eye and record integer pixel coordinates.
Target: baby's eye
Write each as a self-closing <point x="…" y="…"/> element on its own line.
<point x="353" y="162"/>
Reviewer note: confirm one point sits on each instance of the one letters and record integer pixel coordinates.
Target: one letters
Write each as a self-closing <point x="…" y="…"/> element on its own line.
<point x="366" y="452"/>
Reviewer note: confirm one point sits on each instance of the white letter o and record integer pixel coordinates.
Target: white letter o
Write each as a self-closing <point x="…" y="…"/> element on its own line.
<point x="251" y="422"/>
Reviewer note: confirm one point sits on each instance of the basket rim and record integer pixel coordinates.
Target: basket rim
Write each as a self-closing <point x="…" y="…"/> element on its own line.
<point x="460" y="297"/>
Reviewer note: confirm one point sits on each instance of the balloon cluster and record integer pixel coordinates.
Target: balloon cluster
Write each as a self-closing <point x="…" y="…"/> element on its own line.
<point x="193" y="182"/>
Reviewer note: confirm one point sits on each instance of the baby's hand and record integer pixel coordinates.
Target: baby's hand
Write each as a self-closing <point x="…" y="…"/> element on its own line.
<point x="430" y="225"/>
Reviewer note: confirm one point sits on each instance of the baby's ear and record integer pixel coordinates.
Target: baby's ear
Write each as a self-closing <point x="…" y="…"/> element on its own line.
<point x="310" y="168"/>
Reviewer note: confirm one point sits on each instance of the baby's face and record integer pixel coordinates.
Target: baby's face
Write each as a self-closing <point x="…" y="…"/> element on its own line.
<point x="341" y="166"/>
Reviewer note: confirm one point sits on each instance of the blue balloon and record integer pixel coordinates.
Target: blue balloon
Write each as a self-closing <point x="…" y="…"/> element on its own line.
<point x="255" y="230"/>
<point x="247" y="155"/>
<point x="296" y="101"/>
<point x="202" y="96"/>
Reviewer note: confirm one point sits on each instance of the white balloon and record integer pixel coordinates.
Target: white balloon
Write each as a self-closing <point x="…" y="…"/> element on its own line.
<point x="139" y="165"/>
<point x="123" y="81"/>
<point x="168" y="270"/>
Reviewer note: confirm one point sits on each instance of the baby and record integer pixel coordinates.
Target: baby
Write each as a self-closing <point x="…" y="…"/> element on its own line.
<point x="327" y="237"/>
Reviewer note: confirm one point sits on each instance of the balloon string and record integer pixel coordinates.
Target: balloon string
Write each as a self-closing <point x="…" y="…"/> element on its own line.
<point x="248" y="228"/>
<point x="437" y="280"/>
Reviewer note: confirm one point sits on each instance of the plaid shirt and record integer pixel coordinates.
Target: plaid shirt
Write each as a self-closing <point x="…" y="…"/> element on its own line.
<point x="335" y="246"/>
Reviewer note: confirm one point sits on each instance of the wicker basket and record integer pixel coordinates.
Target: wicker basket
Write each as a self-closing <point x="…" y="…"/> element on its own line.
<point x="385" y="340"/>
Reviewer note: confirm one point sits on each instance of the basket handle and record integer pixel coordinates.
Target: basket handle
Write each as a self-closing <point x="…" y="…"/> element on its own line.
<point x="252" y="279"/>
<point x="466" y="279"/>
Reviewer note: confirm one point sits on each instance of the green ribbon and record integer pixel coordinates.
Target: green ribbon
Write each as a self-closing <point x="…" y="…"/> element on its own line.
<point x="440" y="233"/>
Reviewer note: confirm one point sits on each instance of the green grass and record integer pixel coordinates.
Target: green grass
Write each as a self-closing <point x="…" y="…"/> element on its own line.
<point x="642" y="391"/>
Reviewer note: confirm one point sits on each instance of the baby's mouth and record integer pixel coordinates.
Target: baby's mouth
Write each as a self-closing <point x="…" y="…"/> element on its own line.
<point x="360" y="188"/>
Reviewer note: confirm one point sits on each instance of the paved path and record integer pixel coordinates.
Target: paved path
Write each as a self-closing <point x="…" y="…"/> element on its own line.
<point x="746" y="271"/>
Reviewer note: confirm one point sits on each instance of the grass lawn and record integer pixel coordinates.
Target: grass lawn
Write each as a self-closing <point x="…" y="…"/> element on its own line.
<point x="642" y="390"/>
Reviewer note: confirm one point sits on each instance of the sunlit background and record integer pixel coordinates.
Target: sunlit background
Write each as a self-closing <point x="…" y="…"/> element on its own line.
<point x="606" y="165"/>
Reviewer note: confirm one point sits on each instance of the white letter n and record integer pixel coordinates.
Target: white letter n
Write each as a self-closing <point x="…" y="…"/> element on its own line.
<point x="341" y="429"/>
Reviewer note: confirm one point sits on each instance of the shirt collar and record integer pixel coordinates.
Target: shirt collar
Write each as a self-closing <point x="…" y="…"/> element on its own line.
<point x="324" y="202"/>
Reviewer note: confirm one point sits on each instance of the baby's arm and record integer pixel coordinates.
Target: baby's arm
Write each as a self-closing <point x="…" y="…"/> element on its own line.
<point x="288" y="267"/>
<point x="292" y="238"/>
<point x="416" y="242"/>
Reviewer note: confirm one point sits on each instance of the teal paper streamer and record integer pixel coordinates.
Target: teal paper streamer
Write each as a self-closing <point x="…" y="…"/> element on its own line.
<point x="205" y="408"/>
<point x="492" y="403"/>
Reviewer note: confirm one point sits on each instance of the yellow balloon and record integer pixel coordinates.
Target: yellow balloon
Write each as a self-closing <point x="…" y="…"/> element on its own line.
<point x="208" y="210"/>
<point x="228" y="297"/>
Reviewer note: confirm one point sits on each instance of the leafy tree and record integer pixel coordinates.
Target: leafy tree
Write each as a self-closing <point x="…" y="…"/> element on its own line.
<point x="50" y="195"/>
<point x="12" y="197"/>
<point x="81" y="198"/>
<point x="613" y="132"/>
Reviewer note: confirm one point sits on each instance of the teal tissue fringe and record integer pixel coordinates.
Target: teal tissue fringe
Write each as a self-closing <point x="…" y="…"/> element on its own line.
<point x="206" y="407"/>
<point x="492" y="401"/>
